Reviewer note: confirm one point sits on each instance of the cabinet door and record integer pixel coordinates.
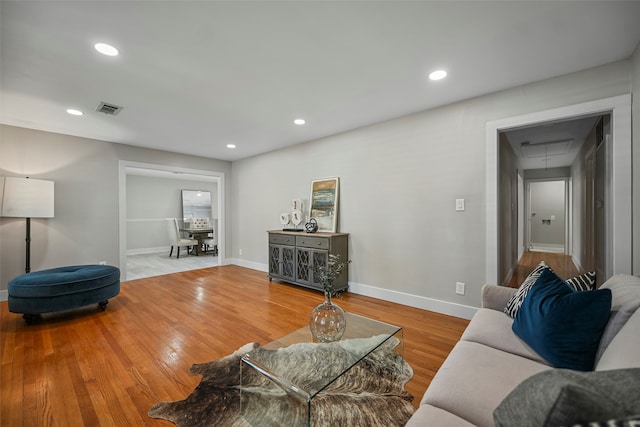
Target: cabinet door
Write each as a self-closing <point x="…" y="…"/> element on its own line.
<point x="281" y="261"/>
<point x="307" y="261"/>
<point x="318" y="259"/>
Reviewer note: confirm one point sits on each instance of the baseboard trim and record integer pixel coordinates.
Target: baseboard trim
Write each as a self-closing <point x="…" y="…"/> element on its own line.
<point x="416" y="301"/>
<point x="557" y="249"/>
<point x="141" y="251"/>
<point x="247" y="264"/>
<point x="4" y="296"/>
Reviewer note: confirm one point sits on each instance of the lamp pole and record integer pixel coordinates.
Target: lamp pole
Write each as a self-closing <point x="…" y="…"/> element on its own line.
<point x="27" y="255"/>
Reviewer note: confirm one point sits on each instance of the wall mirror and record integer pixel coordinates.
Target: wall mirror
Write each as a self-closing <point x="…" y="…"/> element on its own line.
<point x="196" y="204"/>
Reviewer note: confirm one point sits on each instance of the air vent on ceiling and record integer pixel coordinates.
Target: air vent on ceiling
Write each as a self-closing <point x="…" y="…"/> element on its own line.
<point x="108" y="108"/>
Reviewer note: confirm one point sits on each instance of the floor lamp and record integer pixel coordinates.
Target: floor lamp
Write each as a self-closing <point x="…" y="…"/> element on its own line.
<point x="27" y="198"/>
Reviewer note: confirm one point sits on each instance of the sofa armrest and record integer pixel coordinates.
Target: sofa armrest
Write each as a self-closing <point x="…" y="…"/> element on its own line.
<point x="496" y="297"/>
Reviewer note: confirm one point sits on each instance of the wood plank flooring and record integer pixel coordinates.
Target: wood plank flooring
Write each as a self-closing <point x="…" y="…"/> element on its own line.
<point x="88" y="368"/>
<point x="560" y="263"/>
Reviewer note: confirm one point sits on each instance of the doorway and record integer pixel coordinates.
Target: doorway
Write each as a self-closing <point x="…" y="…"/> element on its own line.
<point x="547" y="213"/>
<point x="127" y="168"/>
<point x="619" y="220"/>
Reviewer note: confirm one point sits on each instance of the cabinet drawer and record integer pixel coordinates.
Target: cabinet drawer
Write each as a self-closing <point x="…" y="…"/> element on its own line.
<point x="312" y="242"/>
<point x="282" y="239"/>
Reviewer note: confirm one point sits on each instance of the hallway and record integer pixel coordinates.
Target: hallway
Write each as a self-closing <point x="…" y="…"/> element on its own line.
<point x="560" y="263"/>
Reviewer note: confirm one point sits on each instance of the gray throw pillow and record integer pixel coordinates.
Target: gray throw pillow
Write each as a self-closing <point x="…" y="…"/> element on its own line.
<point x="562" y="395"/>
<point x="579" y="405"/>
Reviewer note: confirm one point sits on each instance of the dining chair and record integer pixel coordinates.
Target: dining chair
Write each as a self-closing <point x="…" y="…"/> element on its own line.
<point x="175" y="239"/>
<point x="213" y="241"/>
<point x="199" y="223"/>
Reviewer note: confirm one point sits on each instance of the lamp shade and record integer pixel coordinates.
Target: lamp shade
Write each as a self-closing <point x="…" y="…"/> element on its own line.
<point x="26" y="198"/>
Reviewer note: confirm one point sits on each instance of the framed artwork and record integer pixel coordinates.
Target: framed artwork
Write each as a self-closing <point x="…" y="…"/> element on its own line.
<point x="324" y="203"/>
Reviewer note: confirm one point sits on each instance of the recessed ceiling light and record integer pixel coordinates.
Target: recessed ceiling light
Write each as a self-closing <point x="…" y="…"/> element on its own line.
<point x="299" y="122"/>
<point x="231" y="146"/>
<point x="74" y="112"/>
<point x="106" y="49"/>
<point x="438" y="75"/>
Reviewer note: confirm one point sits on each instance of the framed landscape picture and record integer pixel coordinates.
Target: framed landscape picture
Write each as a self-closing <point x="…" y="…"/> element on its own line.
<point x="324" y="203"/>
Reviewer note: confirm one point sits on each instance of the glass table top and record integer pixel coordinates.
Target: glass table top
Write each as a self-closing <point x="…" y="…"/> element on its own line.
<point x="328" y="361"/>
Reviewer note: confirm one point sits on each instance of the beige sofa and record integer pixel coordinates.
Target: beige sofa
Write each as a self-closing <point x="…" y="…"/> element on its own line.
<point x="490" y="361"/>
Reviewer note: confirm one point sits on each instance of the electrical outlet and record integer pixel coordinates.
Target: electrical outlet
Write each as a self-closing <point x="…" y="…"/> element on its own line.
<point x="460" y="288"/>
<point x="103" y="262"/>
<point x="239" y="251"/>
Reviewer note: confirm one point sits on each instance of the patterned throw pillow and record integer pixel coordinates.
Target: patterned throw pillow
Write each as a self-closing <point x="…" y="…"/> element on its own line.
<point x="583" y="282"/>
<point x="630" y="421"/>
<point x="516" y="300"/>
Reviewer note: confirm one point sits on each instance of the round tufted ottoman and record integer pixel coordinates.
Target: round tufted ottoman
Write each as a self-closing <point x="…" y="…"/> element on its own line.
<point x="62" y="288"/>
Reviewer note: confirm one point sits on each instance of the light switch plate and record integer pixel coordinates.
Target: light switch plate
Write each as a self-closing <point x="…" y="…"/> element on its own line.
<point x="459" y="204"/>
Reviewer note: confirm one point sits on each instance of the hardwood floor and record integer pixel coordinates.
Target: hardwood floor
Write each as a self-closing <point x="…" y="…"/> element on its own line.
<point x="560" y="263"/>
<point x="90" y="368"/>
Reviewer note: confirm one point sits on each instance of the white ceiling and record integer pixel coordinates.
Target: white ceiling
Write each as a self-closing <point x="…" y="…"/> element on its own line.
<point x="552" y="144"/>
<point x="194" y="76"/>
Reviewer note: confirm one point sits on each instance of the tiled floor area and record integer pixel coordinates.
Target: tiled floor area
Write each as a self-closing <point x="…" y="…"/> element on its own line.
<point x="156" y="264"/>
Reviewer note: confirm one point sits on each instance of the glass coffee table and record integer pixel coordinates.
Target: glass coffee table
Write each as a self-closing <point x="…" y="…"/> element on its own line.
<point x="292" y="371"/>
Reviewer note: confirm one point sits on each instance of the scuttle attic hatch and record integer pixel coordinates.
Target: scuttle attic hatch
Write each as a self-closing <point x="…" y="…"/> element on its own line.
<point x="108" y="108"/>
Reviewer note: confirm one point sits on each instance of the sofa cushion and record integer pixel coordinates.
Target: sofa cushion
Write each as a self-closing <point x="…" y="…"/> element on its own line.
<point x="496" y="297"/>
<point x="625" y="290"/>
<point x="562" y="325"/>
<point x="493" y="328"/>
<point x="563" y="397"/>
<point x="623" y="351"/>
<point x="516" y="300"/>
<point x="427" y="415"/>
<point x="475" y="378"/>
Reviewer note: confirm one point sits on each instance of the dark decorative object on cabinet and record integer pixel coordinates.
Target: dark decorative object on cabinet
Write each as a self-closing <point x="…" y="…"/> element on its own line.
<point x="311" y="226"/>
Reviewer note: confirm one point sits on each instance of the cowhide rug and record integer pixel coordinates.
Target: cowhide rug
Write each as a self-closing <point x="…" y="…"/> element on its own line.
<point x="369" y="394"/>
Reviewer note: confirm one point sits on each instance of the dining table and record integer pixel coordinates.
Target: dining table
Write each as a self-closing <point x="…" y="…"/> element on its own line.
<point x="199" y="234"/>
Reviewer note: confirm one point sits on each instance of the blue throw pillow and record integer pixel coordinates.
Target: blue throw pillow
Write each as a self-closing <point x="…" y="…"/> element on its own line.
<point x="563" y="325"/>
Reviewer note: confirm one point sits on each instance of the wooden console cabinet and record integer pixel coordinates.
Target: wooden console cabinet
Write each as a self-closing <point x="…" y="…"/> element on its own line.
<point x="294" y="256"/>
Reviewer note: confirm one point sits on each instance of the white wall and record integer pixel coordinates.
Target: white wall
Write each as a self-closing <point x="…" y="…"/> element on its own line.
<point x="399" y="182"/>
<point x="85" y="171"/>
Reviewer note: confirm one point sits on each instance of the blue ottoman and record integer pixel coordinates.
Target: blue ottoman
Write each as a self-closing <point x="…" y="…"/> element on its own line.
<point x="62" y="288"/>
